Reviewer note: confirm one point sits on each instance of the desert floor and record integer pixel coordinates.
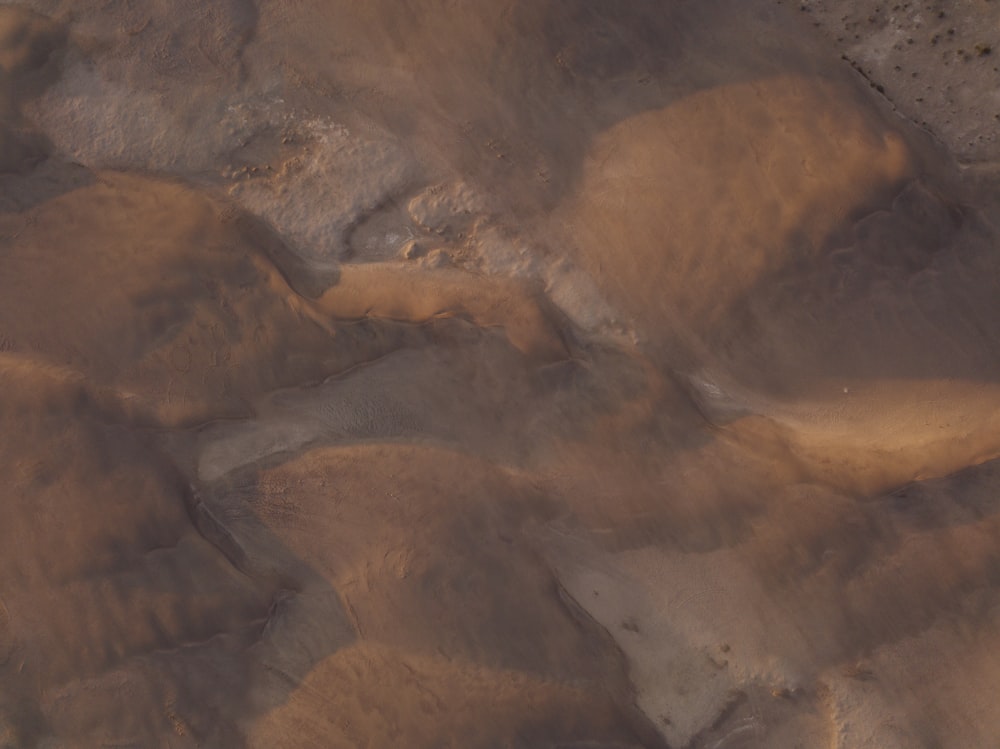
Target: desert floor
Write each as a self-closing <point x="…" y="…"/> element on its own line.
<point x="500" y="373"/>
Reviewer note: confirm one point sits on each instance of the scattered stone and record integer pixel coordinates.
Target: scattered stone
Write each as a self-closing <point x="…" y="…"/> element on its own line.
<point x="437" y="258"/>
<point x="412" y="250"/>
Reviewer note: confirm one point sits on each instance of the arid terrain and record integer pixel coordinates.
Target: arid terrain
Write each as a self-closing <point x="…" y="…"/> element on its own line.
<point x="500" y="373"/>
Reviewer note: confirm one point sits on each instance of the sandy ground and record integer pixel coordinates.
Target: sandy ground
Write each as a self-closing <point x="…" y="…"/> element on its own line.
<point x="499" y="374"/>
